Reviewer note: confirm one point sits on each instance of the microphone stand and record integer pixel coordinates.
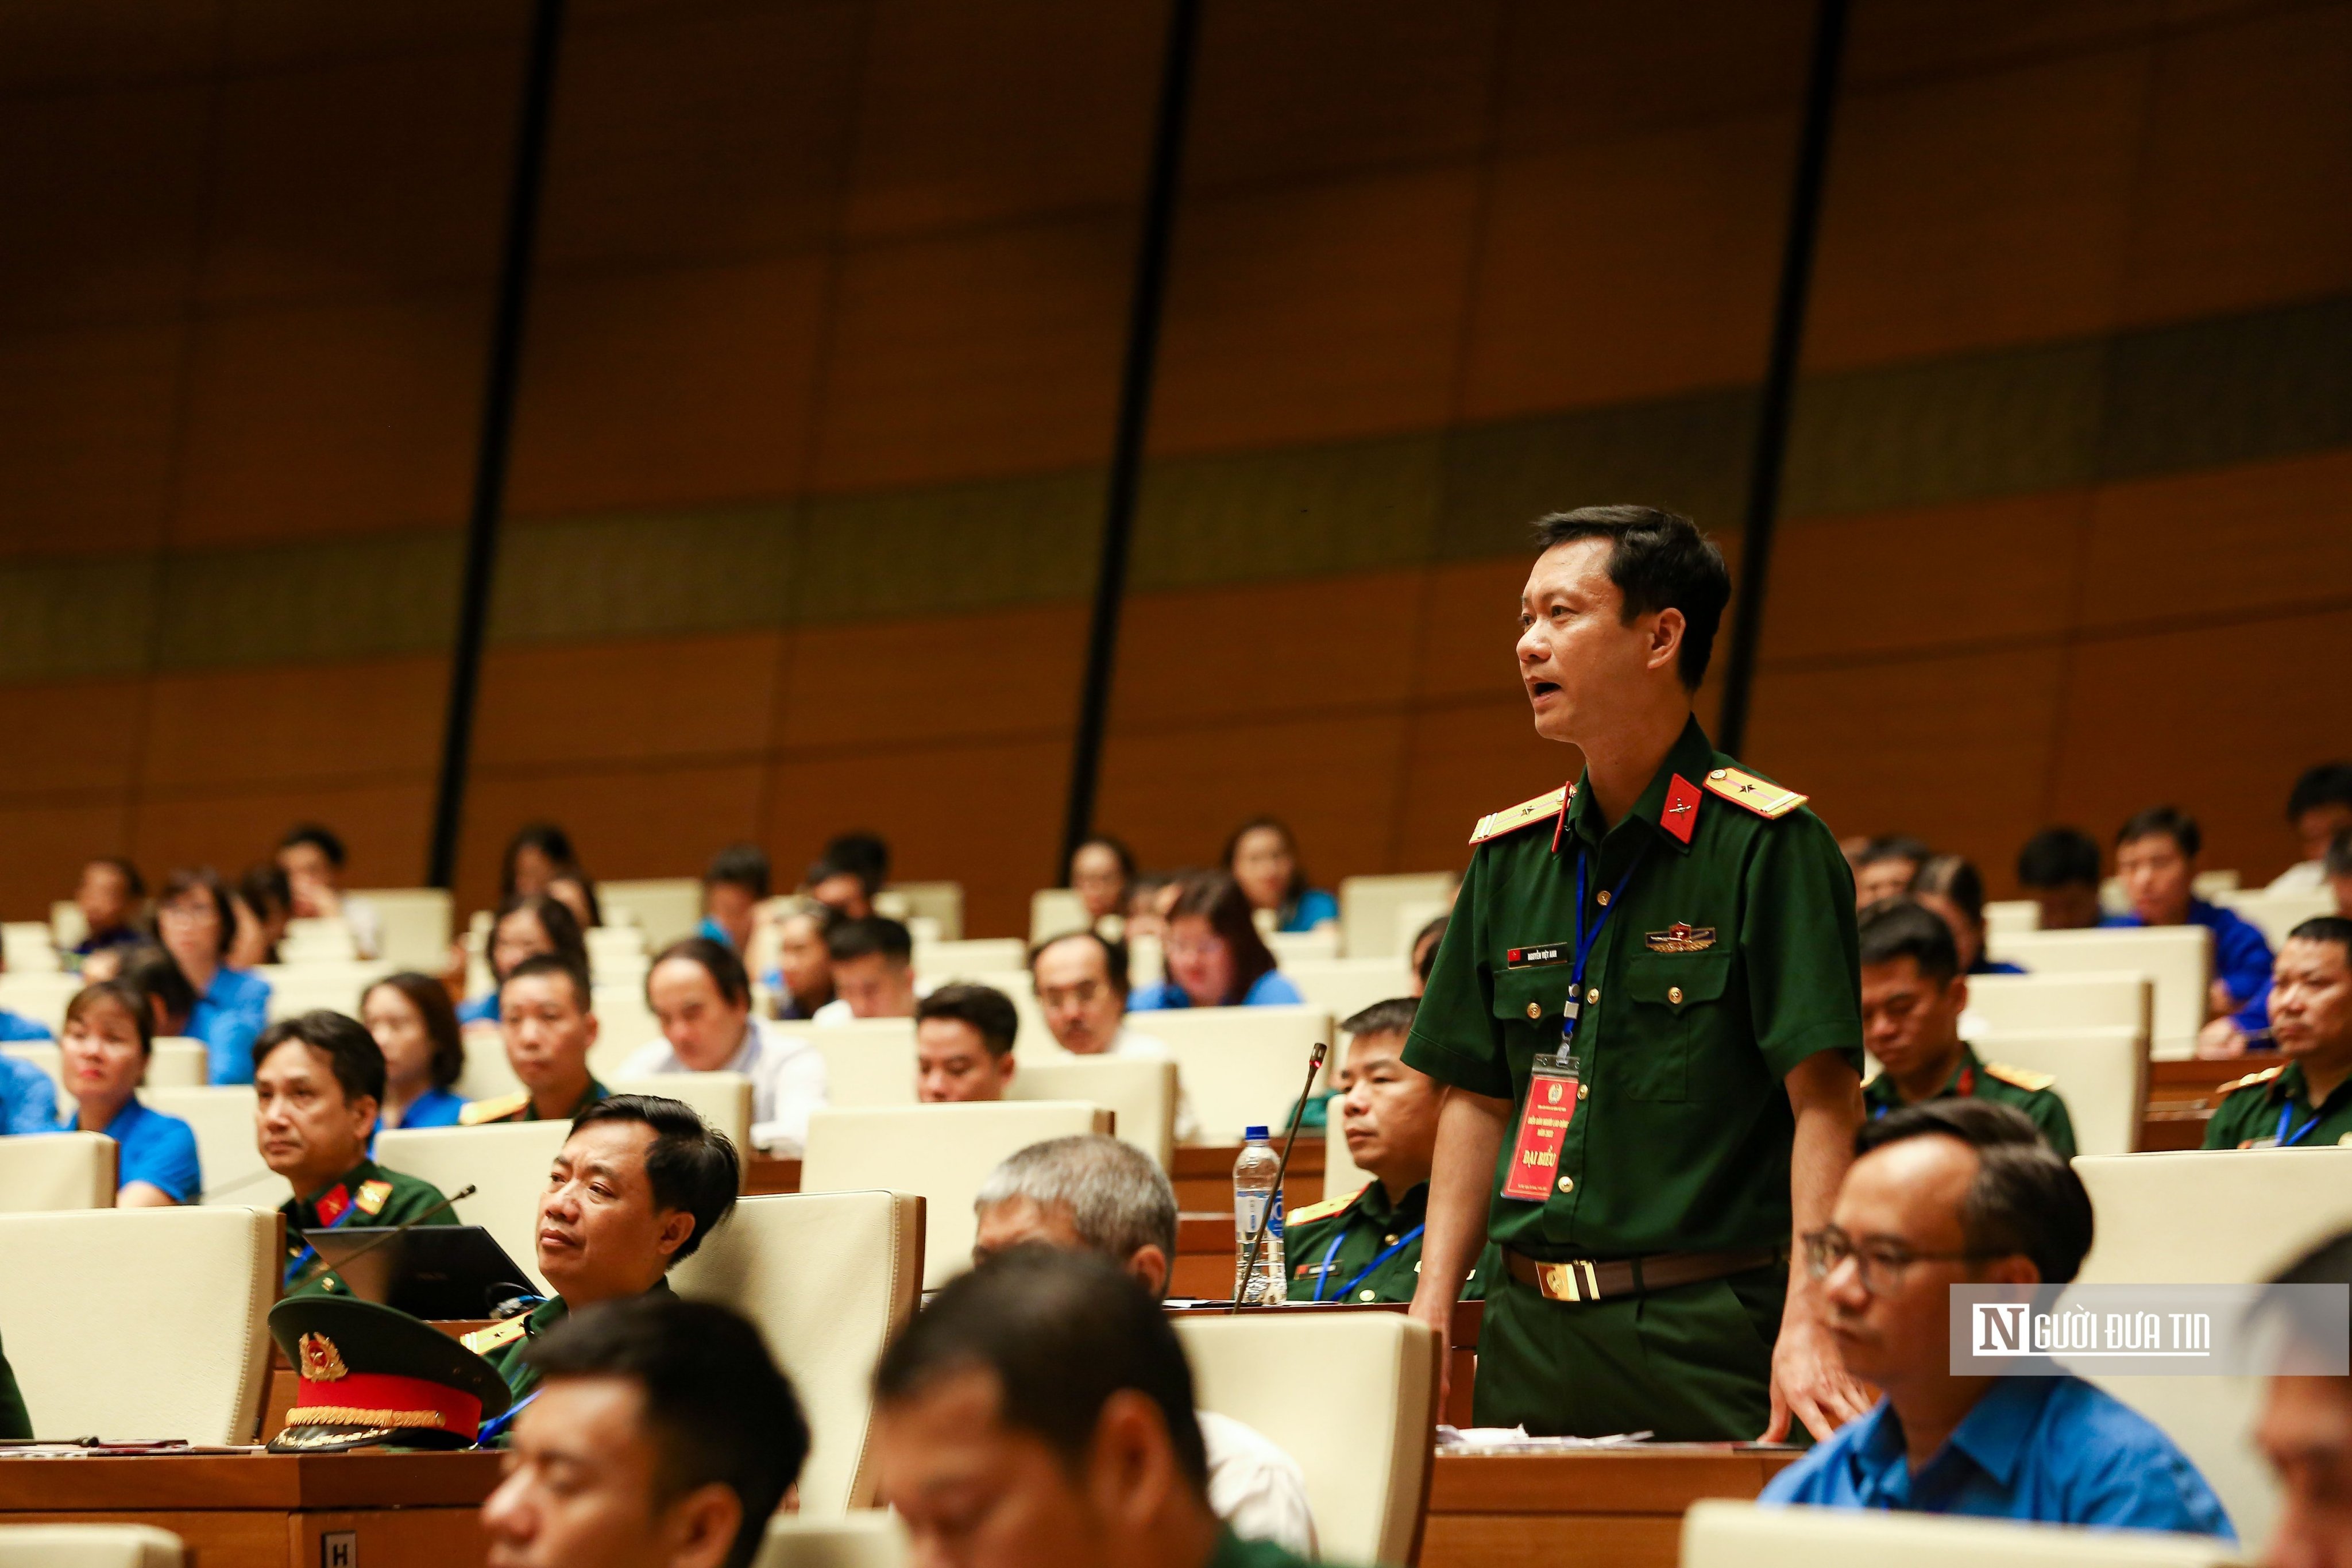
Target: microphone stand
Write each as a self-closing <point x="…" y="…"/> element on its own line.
<point x="403" y="1228"/>
<point x="1257" y="1236"/>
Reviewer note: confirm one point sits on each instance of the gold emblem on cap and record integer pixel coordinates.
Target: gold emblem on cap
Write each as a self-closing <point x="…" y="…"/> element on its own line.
<point x="321" y="1361"/>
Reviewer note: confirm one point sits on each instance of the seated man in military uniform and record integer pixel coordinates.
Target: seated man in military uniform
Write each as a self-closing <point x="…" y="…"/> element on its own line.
<point x="316" y="1082"/>
<point x="1366" y="1247"/>
<point x="1912" y="996"/>
<point x="2307" y="1102"/>
<point x="634" y="1189"/>
<point x="544" y="1014"/>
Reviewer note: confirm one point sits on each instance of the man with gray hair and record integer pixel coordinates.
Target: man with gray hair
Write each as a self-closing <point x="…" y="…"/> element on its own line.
<point x="1095" y="1194"/>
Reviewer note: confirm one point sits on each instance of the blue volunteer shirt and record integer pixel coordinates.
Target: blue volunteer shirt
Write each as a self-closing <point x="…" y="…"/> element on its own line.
<point x="1272" y="990"/>
<point x="156" y="1148"/>
<point x="228" y="1017"/>
<point x="28" y="1098"/>
<point x="482" y="1009"/>
<point x="434" y="1108"/>
<point x="2053" y="1450"/>
<point x="1315" y="908"/>
<point x="2241" y="959"/>
<point x="16" y="1026"/>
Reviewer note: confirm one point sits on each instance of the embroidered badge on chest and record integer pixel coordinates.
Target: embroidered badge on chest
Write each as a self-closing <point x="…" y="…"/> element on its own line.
<point x="1536" y="957"/>
<point x="1681" y="937"/>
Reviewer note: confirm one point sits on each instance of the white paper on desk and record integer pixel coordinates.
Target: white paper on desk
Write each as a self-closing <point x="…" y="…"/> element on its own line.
<point x="1514" y="1440"/>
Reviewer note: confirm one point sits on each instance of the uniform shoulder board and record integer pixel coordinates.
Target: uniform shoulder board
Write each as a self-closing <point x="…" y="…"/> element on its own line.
<point x="2020" y="1078"/>
<point x="482" y="1341"/>
<point x="1325" y="1209"/>
<point x="1765" y="799"/>
<point x="373" y="1195"/>
<point x="1495" y="824"/>
<point x="2249" y="1081"/>
<point x="480" y="1111"/>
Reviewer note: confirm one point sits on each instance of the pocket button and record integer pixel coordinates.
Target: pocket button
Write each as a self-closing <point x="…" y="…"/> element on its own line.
<point x="1674" y="993"/>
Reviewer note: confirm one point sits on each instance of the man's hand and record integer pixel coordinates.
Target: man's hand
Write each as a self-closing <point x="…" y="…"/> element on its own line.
<point x="2220" y="1040"/>
<point x="1431" y="1306"/>
<point x="1809" y="1381"/>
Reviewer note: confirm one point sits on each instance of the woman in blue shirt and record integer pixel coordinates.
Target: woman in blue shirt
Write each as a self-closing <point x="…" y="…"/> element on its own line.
<point x="1950" y="886"/>
<point x="1215" y="957"/>
<point x="28" y="1098"/>
<point x="104" y="1052"/>
<point x="1263" y="857"/>
<point x="196" y="924"/>
<point x="528" y="925"/>
<point x="416" y="1029"/>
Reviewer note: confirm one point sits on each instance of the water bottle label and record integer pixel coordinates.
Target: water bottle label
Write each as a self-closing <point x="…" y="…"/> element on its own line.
<point x="1248" y="1208"/>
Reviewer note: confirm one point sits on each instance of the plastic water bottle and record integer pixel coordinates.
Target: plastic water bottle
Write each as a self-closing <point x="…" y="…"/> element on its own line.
<point x="1256" y="1198"/>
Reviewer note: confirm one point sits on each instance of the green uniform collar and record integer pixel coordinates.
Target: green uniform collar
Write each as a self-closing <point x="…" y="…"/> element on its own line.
<point x="349" y="1181"/>
<point x="2292" y="1087"/>
<point x="1373" y="1205"/>
<point x="596" y="1092"/>
<point x="1692" y="756"/>
<point x="1965" y="1075"/>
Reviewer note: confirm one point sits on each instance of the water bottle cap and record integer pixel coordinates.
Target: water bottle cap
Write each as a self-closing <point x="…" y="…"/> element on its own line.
<point x="1254" y="1135"/>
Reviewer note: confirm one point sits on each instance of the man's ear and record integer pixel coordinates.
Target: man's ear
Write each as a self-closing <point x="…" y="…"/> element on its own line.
<point x="1131" y="1466"/>
<point x="592" y="1027"/>
<point x="698" y="1530"/>
<point x="1149" y="1266"/>
<point x="1666" y="639"/>
<point x="2014" y="1269"/>
<point x="674" y="1229"/>
<point x="1012" y="1065"/>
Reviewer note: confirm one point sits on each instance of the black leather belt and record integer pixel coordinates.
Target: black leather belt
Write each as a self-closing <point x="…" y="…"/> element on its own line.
<point x="1587" y="1279"/>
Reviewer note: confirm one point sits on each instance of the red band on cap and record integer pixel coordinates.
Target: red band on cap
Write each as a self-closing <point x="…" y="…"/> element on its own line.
<point x="460" y="1412"/>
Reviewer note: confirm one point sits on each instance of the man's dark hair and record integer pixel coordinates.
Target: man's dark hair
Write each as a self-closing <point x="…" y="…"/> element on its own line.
<point x="319" y="836"/>
<point x="988" y="1011"/>
<point x="2338" y="862"/>
<point x="1114" y="955"/>
<point x="1953" y="877"/>
<point x="1894" y="847"/>
<point x="555" y="963"/>
<point x="133" y="883"/>
<point x="1659" y="561"/>
<point x="351" y="1053"/>
<point x="1061" y="1332"/>
<point x="691" y="1164"/>
<point x="742" y="866"/>
<point x="1393" y="1016"/>
<point x="2329" y="784"/>
<point x="158" y="978"/>
<point x="431" y="1000"/>
<point x="546" y="838"/>
<point x="199" y="879"/>
<point x="1213" y="897"/>
<point x="1901" y="927"/>
<point x="264" y="886"/>
<point x="718" y="961"/>
<point x="556" y="919"/>
<point x="871" y="935"/>
<point x="1427" y="961"/>
<point x="2025" y="1199"/>
<point x="2059" y="858"/>
<point x="2169" y="820"/>
<point x="2325" y="927"/>
<point x="2308" y="1318"/>
<point x="865" y="855"/>
<point x="719" y="1408"/>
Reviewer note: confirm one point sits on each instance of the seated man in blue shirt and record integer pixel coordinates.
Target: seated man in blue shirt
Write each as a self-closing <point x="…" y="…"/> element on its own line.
<point x="1964" y="1192"/>
<point x="2155" y="856"/>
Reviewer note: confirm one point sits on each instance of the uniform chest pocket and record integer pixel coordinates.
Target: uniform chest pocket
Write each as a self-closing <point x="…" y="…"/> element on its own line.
<point x="1675" y="1007"/>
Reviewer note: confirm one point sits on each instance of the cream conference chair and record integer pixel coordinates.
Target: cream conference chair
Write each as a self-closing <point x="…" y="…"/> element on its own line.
<point x="2101" y="1075"/>
<point x="1140" y="1093"/>
<point x="508" y="1162"/>
<point x="2034" y="1003"/>
<point x="870" y="1538"/>
<point x="414" y="923"/>
<point x="1346" y="986"/>
<point x="1718" y="1533"/>
<point x="227" y="1145"/>
<point x="1240" y="1066"/>
<point x="299" y="988"/>
<point x="664" y="908"/>
<point x="2178" y="960"/>
<point x="57" y="1171"/>
<point x="1369" y="908"/>
<point x="89" y="1546"/>
<point x="723" y="1099"/>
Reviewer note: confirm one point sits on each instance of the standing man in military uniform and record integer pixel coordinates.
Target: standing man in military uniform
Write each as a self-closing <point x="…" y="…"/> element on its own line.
<point x="544" y="1015"/>
<point x="1912" y="996"/>
<point x="318" y="1080"/>
<point x="2305" y="1102"/>
<point x="1647" y="1010"/>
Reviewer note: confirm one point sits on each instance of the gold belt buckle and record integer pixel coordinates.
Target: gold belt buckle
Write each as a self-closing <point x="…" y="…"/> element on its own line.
<point x="1559" y="1280"/>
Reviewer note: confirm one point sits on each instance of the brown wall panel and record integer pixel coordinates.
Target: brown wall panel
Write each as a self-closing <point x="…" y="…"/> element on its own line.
<point x="383" y="828"/>
<point x="638" y="701"/>
<point x="1322" y="644"/>
<point x="48" y="45"/>
<point x="1462" y="761"/>
<point x="908" y="682"/>
<point x="294" y="725"/>
<point x="2262" y="537"/>
<point x="282" y="35"/>
<point x="73" y="736"/>
<point x="86" y="419"/>
<point x="44" y="847"/>
<point x="1593" y="72"/>
<point x="626" y="822"/>
<point x="1472" y="626"/>
<point x="1897" y="40"/>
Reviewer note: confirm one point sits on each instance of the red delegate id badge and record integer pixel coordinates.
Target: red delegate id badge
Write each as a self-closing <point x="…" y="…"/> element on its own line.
<point x="1543" y="1129"/>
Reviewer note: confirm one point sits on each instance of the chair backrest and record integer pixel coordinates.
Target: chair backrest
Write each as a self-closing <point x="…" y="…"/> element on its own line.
<point x="2102" y="1076"/>
<point x="296" y="988"/>
<point x="2036" y="1003"/>
<point x="227" y="1145"/>
<point x="40" y="997"/>
<point x="57" y="1170"/>
<point x="1720" y="1533"/>
<point x="1054" y="910"/>
<point x="941" y="1151"/>
<point x="664" y="908"/>
<point x="1240" y="1066"/>
<point x="2279" y="913"/>
<point x="178" y="1062"/>
<point x="721" y="1099"/>
<point x="1346" y="986"/>
<point x="507" y="1161"/>
<point x="624" y="1023"/>
<point x="2008" y="915"/>
<point x="941" y="903"/>
<point x="68" y="924"/>
<point x="868" y="1062"/>
<point x="1369" y="909"/>
<point x="1352" y="1396"/>
<point x="828" y="1276"/>
<point x="28" y="948"/>
<point x="488" y="1072"/>
<point x="414" y="924"/>
<point x="1138" y="1092"/>
<point x="870" y="1538"/>
<point x="2220" y="1217"/>
<point x="942" y="961"/>
<point x="89" y="1546"/>
<point x="2178" y="960"/>
<point x="317" y="940"/>
<point x="175" y="1301"/>
<point x="1290" y="947"/>
<point x="616" y="946"/>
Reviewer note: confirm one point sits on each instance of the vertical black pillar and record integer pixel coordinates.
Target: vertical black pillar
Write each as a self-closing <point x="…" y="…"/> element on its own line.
<point x="496" y="436"/>
<point x="1779" y="396"/>
<point x="1159" y="198"/>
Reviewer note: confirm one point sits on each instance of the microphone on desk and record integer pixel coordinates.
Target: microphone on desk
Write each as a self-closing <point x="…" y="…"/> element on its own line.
<point x="1265" y="1214"/>
<point x="248" y="1179"/>
<point x="404" y="1227"/>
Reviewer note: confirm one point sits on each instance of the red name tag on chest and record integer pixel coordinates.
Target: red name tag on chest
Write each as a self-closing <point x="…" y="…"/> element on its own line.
<point x="1543" y="1130"/>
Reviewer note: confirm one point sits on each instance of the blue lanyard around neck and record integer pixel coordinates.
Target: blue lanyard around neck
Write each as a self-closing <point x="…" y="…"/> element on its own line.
<point x="2285" y="1139"/>
<point x="1587" y="936"/>
<point x="1323" y="1274"/>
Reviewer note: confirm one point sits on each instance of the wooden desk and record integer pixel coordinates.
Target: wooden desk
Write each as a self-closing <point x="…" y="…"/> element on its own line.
<point x="271" y="1511"/>
<point x="2180" y="1099"/>
<point x="1610" y="1507"/>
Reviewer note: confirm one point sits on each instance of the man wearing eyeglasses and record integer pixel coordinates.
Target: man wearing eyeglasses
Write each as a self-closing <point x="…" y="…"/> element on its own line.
<point x="1081" y="982"/>
<point x="1955" y="1192"/>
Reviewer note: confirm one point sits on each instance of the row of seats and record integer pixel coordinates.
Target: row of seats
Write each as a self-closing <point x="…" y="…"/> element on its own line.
<point x="1379" y="916"/>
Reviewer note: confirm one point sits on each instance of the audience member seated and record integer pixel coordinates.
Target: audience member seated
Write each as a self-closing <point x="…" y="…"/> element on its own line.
<point x="576" y="890"/>
<point x="1886" y="866"/>
<point x="1949" y="887"/>
<point x="318" y="1080"/>
<point x="1101" y="871"/>
<point x="2318" y="808"/>
<point x="2339" y="866"/>
<point x="28" y="1098"/>
<point x="424" y="1054"/>
<point x="1961" y="1191"/>
<point x="15" y="1025"/>
<point x="734" y="885"/>
<point x="1095" y="1194"/>
<point x="1424" y="952"/>
<point x="1262" y="859"/>
<point x="964" y="1045"/>
<point x="1912" y="997"/>
<point x="170" y="1000"/>
<point x="104" y="1053"/>
<point x="698" y="990"/>
<point x="637" y="1184"/>
<point x="1149" y="895"/>
<point x="1215" y="957"/>
<point x="872" y="963"/>
<point x="2306" y="1099"/>
<point x="848" y="874"/>
<point x="531" y="925"/>
<point x="1081" y="984"/>
<point x="196" y="924"/>
<point x="1367" y="1246"/>
<point x="663" y="1437"/>
<point x="537" y="854"/>
<point x="261" y="902"/>
<point x="544" y="1016"/>
<point x="109" y="895"/>
<point x="1041" y="1408"/>
<point x="2305" y="1426"/>
<point x="2155" y="856"/>
<point x="2059" y="869"/>
<point x="312" y="856"/>
<point x="802" y="981"/>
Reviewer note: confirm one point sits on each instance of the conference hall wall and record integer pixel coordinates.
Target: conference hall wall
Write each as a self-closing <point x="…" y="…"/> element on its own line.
<point x="823" y="364"/>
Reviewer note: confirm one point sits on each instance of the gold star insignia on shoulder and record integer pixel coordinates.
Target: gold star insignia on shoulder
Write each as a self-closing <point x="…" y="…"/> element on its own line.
<point x="1495" y="824"/>
<point x="1759" y="795"/>
<point x="478" y="1112"/>
<point x="2249" y="1081"/>
<point x="2020" y="1078"/>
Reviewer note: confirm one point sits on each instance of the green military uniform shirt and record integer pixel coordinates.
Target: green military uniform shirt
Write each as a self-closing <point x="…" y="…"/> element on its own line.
<point x="1329" y="1244"/>
<point x="2004" y="1085"/>
<point x="367" y="1194"/>
<point x="1233" y="1552"/>
<point x="502" y="1344"/>
<point x="520" y="1107"/>
<point x="2249" y="1116"/>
